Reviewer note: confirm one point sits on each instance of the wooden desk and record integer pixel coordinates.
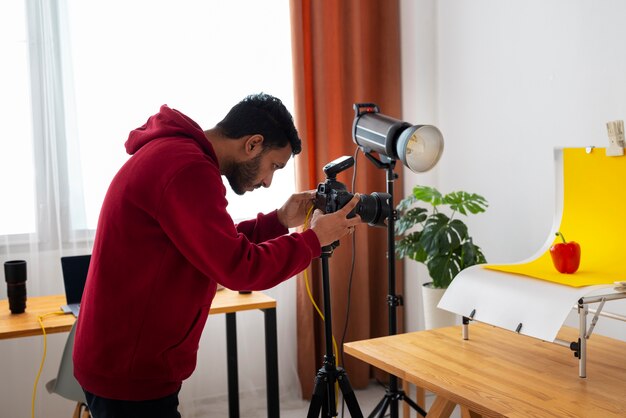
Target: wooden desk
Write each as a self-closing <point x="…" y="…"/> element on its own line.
<point x="497" y="373"/>
<point x="26" y="324"/>
<point x="226" y="302"/>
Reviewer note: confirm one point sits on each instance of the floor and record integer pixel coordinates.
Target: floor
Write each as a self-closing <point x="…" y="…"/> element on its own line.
<point x="366" y="398"/>
<point x="295" y="408"/>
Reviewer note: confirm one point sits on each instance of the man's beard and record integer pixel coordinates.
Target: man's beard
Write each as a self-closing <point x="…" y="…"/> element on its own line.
<point x="241" y="176"/>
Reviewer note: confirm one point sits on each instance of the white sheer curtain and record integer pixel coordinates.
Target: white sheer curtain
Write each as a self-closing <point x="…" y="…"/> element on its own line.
<point x="80" y="75"/>
<point x="37" y="222"/>
<point x="35" y="215"/>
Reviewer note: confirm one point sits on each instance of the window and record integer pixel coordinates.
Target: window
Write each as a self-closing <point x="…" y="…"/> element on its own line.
<point x="106" y="67"/>
<point x="200" y="57"/>
<point x="17" y="170"/>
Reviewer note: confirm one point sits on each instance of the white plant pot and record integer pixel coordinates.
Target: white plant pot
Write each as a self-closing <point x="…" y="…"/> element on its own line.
<point x="433" y="316"/>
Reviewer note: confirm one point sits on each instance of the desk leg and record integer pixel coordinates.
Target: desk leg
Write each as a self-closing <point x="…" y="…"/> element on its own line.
<point x="468" y="413"/>
<point x="406" y="411"/>
<point x="271" y="363"/>
<point x="231" y="362"/>
<point x="441" y="408"/>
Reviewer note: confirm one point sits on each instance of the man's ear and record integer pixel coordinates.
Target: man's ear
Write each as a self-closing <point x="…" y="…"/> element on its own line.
<point x="254" y="144"/>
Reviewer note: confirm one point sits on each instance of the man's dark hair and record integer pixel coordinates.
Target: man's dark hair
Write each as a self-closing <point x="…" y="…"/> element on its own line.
<point x="265" y="115"/>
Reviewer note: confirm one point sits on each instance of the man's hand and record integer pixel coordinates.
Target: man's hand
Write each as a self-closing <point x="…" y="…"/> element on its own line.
<point x="293" y="212"/>
<point x="332" y="226"/>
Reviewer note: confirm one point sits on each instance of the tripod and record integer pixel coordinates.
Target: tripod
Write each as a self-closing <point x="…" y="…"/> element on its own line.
<point x="324" y="390"/>
<point x="392" y="394"/>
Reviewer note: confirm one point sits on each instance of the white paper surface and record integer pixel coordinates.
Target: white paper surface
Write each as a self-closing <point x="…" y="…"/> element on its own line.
<point x="507" y="300"/>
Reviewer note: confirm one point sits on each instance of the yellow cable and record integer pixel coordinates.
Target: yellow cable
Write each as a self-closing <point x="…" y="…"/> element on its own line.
<point x="308" y="290"/>
<point x="43" y="358"/>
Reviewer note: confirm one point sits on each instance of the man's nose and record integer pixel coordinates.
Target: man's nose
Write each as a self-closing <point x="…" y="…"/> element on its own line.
<point x="267" y="181"/>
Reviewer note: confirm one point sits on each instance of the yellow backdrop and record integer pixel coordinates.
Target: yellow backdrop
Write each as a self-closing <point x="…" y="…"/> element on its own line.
<point x="594" y="215"/>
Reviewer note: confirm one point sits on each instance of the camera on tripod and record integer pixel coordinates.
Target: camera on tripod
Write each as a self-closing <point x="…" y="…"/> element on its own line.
<point x="332" y="195"/>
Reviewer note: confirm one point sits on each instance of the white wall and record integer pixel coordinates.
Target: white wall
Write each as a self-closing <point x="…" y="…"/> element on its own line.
<point x="506" y="82"/>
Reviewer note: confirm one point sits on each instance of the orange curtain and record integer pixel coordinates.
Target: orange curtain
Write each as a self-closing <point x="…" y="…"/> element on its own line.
<point x="345" y="52"/>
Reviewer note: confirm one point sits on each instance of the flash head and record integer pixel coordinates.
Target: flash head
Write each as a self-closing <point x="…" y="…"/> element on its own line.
<point x="337" y="166"/>
<point x="419" y="147"/>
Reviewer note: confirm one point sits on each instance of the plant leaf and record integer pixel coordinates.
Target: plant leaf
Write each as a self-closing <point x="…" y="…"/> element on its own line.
<point x="405" y="203"/>
<point x="410" y="219"/>
<point x="432" y="238"/>
<point x="460" y="230"/>
<point x="443" y="268"/>
<point x="468" y="254"/>
<point x="409" y="246"/>
<point x="428" y="195"/>
<point x="442" y="235"/>
<point x="464" y="202"/>
<point x="471" y="255"/>
<point x="480" y="257"/>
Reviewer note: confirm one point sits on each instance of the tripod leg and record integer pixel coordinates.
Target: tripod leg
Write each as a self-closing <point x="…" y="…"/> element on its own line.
<point x="348" y="395"/>
<point x="318" y="397"/>
<point x="393" y="407"/>
<point x="328" y="405"/>
<point x="414" y="405"/>
<point x="387" y="405"/>
<point x="382" y="406"/>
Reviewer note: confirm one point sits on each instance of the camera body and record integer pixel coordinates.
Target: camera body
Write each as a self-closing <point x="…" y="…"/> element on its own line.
<point x="332" y="195"/>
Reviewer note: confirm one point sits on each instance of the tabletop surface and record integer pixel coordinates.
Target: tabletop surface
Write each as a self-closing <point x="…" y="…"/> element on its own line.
<point x="27" y="324"/>
<point x="500" y="373"/>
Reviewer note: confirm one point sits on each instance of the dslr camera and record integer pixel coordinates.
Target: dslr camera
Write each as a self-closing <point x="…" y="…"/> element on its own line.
<point x="332" y="195"/>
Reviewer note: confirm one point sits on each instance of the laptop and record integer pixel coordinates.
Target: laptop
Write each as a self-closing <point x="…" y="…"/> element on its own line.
<point x="74" y="277"/>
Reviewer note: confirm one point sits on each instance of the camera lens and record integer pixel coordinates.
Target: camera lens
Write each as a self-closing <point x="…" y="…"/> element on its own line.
<point x="16" y="293"/>
<point x="15" y="275"/>
<point x="374" y="209"/>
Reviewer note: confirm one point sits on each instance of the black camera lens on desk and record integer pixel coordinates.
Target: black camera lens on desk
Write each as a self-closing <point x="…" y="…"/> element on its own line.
<point x="15" y="276"/>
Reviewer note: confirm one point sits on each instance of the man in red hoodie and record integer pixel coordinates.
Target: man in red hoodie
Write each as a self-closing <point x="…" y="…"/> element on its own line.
<point x="165" y="241"/>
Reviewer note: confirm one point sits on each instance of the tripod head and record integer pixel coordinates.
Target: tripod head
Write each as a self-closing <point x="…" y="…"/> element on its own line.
<point x="327" y="250"/>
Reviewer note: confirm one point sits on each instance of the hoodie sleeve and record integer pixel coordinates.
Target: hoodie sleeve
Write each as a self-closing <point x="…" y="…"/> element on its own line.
<point x="262" y="228"/>
<point x="193" y="214"/>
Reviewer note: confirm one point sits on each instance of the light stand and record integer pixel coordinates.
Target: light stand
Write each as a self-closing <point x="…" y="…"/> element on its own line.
<point x="324" y="390"/>
<point x="419" y="147"/>
<point x="392" y="394"/>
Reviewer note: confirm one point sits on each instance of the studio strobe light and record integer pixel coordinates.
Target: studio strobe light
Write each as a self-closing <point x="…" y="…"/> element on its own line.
<point x="419" y="147"/>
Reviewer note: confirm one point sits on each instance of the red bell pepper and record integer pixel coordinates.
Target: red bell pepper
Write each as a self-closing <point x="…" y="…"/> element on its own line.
<point x="565" y="255"/>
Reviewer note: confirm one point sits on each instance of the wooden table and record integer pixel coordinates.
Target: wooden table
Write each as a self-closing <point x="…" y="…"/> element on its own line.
<point x="226" y="302"/>
<point x="497" y="373"/>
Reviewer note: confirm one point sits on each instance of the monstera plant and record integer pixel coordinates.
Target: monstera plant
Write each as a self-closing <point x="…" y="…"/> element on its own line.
<point x="431" y="233"/>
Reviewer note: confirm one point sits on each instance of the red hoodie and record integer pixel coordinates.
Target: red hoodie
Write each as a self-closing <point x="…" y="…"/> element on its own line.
<point x="164" y="241"/>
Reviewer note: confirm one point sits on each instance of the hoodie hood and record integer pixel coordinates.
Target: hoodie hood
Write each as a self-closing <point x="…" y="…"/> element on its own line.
<point x="168" y="123"/>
